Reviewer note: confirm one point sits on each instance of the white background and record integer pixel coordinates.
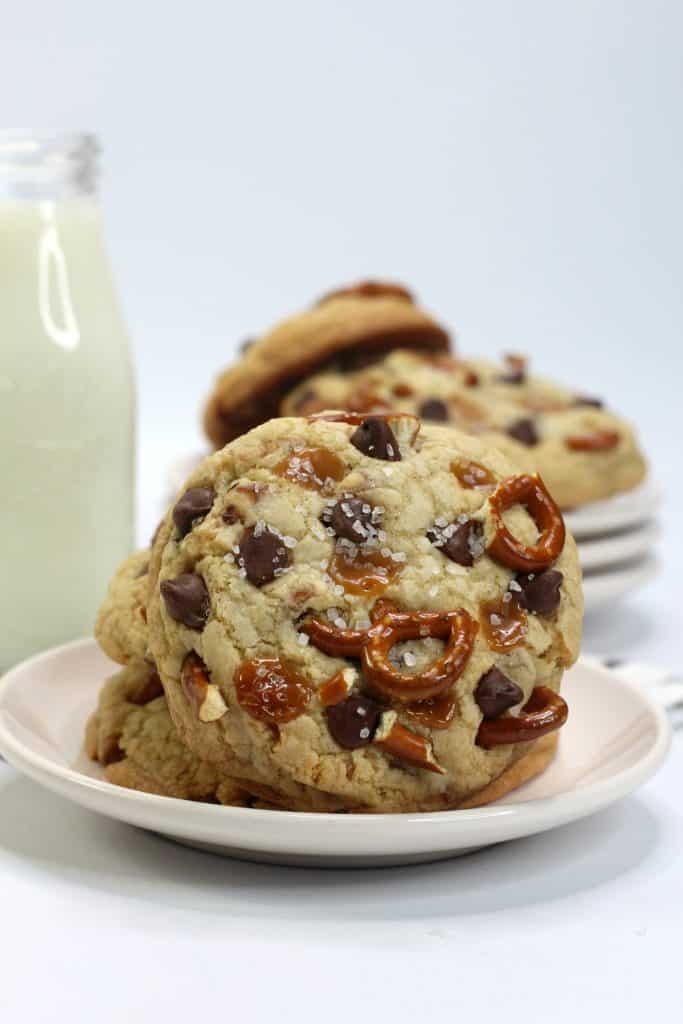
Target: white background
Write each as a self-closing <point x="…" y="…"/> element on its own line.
<point x="519" y="165"/>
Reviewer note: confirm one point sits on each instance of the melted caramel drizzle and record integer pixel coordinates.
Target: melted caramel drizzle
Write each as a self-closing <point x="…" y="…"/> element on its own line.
<point x="435" y="713"/>
<point x="366" y="572"/>
<point x="472" y="474"/>
<point x="270" y="691"/>
<point x="311" y="467"/>
<point x="512" y="628"/>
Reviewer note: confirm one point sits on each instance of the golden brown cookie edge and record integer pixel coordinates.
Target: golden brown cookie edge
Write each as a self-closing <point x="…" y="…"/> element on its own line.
<point x="250" y="392"/>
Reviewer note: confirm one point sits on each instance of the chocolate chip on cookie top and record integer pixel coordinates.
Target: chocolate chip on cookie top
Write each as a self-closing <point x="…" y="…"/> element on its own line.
<point x="262" y="554"/>
<point x="353" y="722"/>
<point x="460" y="541"/>
<point x="589" y="402"/>
<point x="495" y="693"/>
<point x="539" y="592"/>
<point x="375" y="438"/>
<point x="515" y="369"/>
<point x="192" y="506"/>
<point x="524" y="430"/>
<point x="434" y="409"/>
<point x="187" y="600"/>
<point x="352" y="518"/>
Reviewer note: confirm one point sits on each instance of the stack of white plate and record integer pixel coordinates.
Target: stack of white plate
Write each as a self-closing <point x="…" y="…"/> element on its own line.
<point x="616" y="537"/>
<point x="617" y="540"/>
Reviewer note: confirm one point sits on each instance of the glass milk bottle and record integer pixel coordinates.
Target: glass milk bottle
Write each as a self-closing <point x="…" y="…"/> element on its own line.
<point x="67" y="403"/>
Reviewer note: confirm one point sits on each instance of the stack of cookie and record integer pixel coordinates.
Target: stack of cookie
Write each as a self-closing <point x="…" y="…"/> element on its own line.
<point x="370" y="348"/>
<point x="349" y="611"/>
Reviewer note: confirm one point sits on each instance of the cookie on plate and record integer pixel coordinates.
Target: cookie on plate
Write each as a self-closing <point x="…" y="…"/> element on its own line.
<point x="369" y="614"/>
<point x="132" y="735"/>
<point x="347" y="327"/>
<point x="583" y="452"/>
<point x="121" y="624"/>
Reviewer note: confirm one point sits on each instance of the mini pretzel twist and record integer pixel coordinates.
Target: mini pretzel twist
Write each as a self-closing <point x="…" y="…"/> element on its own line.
<point x="544" y="712"/>
<point x="343" y="643"/>
<point x="458" y="628"/>
<point x="505" y="548"/>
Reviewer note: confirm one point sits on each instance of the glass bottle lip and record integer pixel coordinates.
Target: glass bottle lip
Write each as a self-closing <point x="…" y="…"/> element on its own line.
<point x="41" y="167"/>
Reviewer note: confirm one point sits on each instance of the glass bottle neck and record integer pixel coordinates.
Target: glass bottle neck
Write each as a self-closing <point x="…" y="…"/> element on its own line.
<point x="37" y="169"/>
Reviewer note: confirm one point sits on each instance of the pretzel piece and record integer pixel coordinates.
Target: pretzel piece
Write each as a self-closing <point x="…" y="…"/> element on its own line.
<point x="393" y="738"/>
<point x="597" y="441"/>
<point x="343" y="643"/>
<point x="507" y="549"/>
<point x="457" y="628"/>
<point x="544" y="712"/>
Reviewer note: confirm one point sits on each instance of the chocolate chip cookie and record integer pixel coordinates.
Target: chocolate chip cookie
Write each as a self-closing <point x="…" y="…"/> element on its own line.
<point x="132" y="735"/>
<point x="366" y="613"/>
<point x="121" y="625"/>
<point x="582" y="451"/>
<point x="347" y="327"/>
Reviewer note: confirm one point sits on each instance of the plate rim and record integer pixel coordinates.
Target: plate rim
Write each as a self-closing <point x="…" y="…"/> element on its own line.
<point x="602" y="517"/>
<point x="526" y="817"/>
<point x="607" y="549"/>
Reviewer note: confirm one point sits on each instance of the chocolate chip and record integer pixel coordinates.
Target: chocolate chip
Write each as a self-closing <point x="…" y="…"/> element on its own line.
<point x="524" y="431"/>
<point x="352" y="722"/>
<point x="194" y="504"/>
<point x="434" y="409"/>
<point x="460" y="541"/>
<point x="540" y="591"/>
<point x="230" y="515"/>
<point x="262" y="554"/>
<point x="187" y="600"/>
<point x="593" y="403"/>
<point x="351" y="518"/>
<point x="517" y="376"/>
<point x="471" y="379"/>
<point x="495" y="693"/>
<point x="375" y="438"/>
<point x="515" y="371"/>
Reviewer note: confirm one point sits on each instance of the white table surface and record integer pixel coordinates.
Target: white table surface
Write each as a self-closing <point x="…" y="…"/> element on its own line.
<point x="103" y="923"/>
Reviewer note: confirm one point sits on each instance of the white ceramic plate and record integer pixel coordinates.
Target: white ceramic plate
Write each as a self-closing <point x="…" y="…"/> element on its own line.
<point x="608" y="585"/>
<point x="616" y="513"/>
<point x="611" y="549"/>
<point x="616" y="737"/>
